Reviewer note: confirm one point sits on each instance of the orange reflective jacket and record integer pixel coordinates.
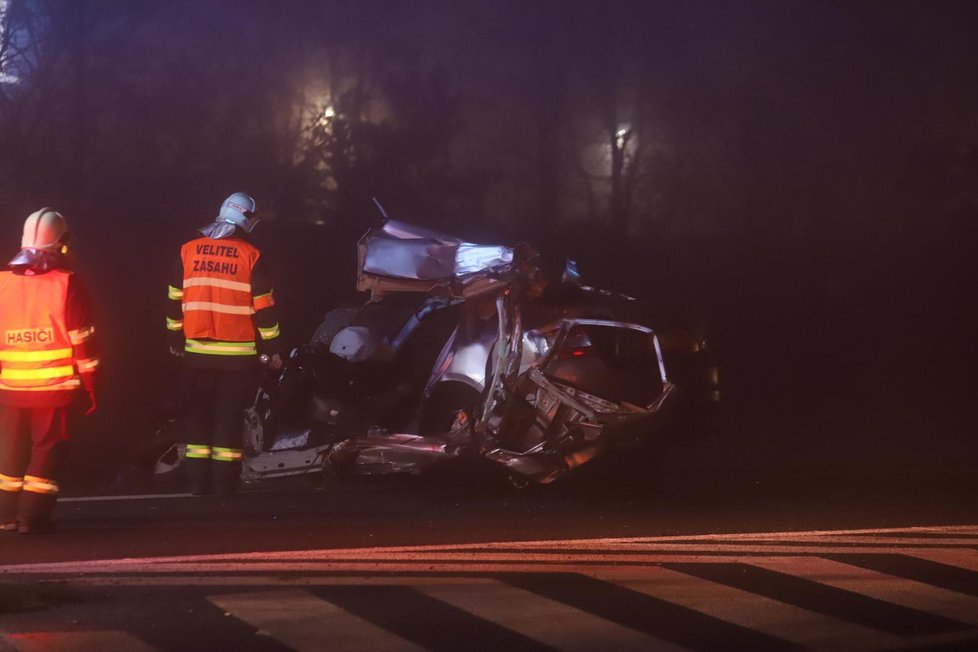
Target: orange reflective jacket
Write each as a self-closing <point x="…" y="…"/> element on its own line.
<point x="36" y="347"/>
<point x="217" y="294"/>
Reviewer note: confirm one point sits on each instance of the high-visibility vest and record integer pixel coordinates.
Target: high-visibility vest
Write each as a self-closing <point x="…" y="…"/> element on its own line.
<point x="35" y="344"/>
<point x="217" y="299"/>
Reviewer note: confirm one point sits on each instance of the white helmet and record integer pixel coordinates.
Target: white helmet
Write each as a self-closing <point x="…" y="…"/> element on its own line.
<point x="45" y="230"/>
<point x="239" y="209"/>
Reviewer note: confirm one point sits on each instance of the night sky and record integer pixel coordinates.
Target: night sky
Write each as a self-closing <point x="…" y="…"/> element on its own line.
<point x="804" y="174"/>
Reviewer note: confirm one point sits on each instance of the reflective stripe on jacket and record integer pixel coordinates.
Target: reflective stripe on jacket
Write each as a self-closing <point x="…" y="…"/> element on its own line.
<point x="36" y="347"/>
<point x="216" y="296"/>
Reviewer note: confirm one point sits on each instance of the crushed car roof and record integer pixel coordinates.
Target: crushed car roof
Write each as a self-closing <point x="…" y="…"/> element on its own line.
<point x="401" y="257"/>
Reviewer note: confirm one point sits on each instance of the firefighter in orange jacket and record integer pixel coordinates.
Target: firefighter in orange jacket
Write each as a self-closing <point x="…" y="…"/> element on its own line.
<point x="221" y="319"/>
<point x="47" y="354"/>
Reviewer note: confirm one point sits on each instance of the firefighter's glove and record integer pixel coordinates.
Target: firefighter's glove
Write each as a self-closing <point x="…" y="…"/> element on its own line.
<point x="176" y="351"/>
<point x="88" y="382"/>
<point x="92" y="405"/>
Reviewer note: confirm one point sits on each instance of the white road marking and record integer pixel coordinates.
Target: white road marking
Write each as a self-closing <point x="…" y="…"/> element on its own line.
<point x="756" y="612"/>
<point x="634" y="551"/>
<point x="305" y="622"/>
<point x="895" y="590"/>
<point x="457" y="574"/>
<point x="421" y="566"/>
<point x="275" y="580"/>
<point x="851" y="540"/>
<point x="93" y="499"/>
<point x="967" y="559"/>
<point x="547" y="621"/>
<point x="346" y="561"/>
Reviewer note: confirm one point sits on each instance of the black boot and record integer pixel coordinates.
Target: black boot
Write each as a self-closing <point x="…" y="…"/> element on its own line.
<point x="226" y="476"/>
<point x="36" y="512"/>
<point x="8" y="510"/>
<point x="199" y="475"/>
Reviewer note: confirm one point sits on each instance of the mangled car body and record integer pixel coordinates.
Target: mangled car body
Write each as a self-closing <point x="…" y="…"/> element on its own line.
<point x="461" y="351"/>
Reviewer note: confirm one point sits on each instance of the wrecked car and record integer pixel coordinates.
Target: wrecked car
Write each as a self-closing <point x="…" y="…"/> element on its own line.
<point x="467" y="351"/>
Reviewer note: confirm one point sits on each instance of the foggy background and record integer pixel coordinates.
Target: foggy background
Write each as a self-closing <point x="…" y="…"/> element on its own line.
<point x="805" y="174"/>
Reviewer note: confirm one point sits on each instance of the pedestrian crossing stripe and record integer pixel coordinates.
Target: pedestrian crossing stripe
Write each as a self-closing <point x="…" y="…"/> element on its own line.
<point x="686" y="617"/>
<point x="803" y="627"/>
<point x="909" y="588"/>
<point x="542" y="619"/>
<point x="880" y="586"/>
<point x="966" y="559"/>
<point x="304" y="622"/>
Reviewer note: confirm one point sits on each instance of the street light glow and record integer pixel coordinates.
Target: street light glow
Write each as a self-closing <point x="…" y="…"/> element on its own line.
<point x="328" y="114"/>
<point x="621" y="136"/>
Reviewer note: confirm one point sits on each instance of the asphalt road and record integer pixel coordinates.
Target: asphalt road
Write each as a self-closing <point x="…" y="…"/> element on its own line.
<point x="625" y="556"/>
<point x="868" y="589"/>
<point x="688" y="491"/>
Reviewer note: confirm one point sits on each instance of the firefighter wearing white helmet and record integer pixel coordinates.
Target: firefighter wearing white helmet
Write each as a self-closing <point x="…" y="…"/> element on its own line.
<point x="221" y="320"/>
<point x="48" y="355"/>
<point x="237" y="212"/>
